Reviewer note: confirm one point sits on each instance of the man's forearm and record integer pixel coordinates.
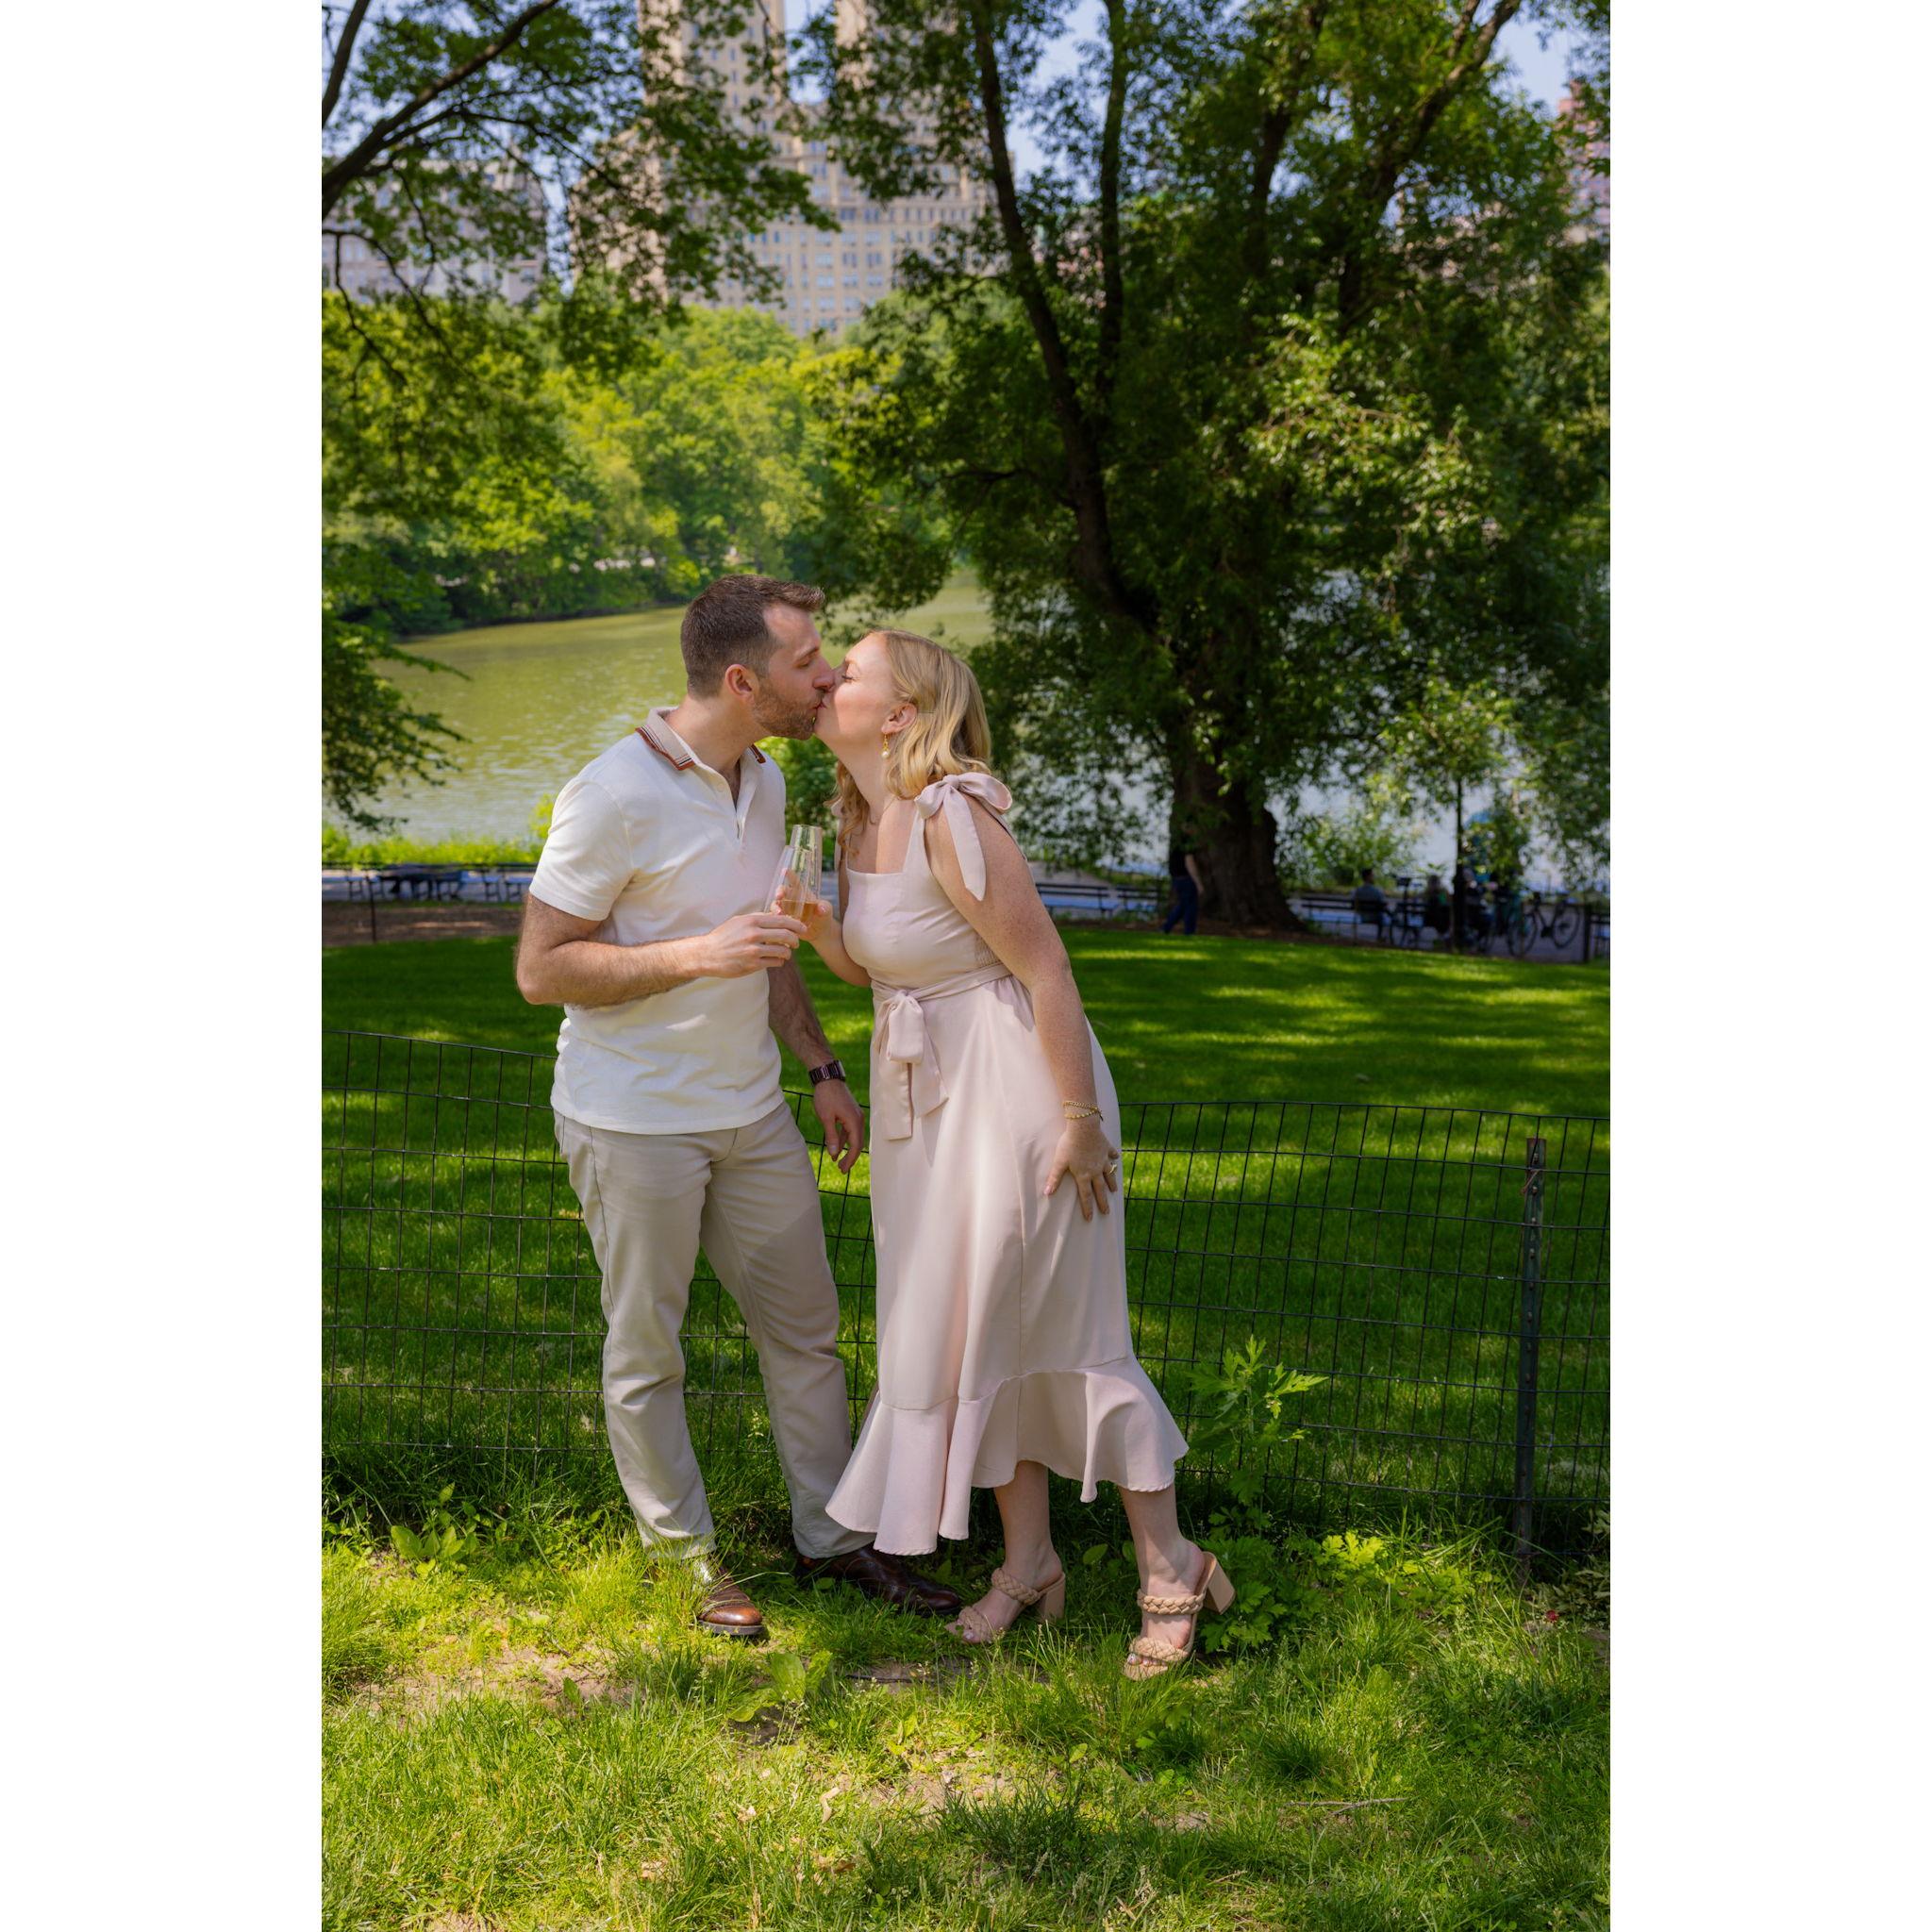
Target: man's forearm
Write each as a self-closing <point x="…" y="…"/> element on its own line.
<point x="795" y="1019"/>
<point x="594" y="972"/>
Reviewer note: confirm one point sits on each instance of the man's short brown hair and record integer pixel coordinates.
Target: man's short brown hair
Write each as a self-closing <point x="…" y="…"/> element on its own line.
<point x="726" y="625"/>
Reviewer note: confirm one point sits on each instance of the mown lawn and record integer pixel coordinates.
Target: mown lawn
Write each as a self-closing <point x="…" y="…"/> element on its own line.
<point x="1359" y="1239"/>
<point x="537" y="1738"/>
<point x="540" y="1739"/>
<point x="1179" y="1019"/>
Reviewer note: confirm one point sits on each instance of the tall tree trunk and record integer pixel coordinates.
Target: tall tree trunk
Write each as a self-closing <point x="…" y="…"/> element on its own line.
<point x="1234" y="836"/>
<point x="1458" y="897"/>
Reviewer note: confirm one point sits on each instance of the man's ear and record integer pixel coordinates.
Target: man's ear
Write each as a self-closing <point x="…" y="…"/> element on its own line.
<point x="738" y="681"/>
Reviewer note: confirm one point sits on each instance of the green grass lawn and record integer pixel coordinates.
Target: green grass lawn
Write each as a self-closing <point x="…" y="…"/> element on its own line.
<point x="1374" y="1244"/>
<point x="537" y="1738"/>
<point x="541" y="1739"/>
<point x="1179" y="1019"/>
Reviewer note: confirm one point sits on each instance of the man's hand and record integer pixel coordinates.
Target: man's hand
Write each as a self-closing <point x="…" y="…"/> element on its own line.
<point x="844" y="1124"/>
<point x="752" y="943"/>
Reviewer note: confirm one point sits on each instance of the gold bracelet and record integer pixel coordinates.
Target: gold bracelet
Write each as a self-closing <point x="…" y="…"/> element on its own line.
<point x="1079" y="1110"/>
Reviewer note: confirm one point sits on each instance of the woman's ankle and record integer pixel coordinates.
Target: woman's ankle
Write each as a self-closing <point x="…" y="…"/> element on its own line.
<point x="1178" y="1565"/>
<point x="1032" y="1566"/>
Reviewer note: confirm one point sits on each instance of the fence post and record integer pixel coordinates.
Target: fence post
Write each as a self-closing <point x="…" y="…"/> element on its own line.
<point x="1528" y="1335"/>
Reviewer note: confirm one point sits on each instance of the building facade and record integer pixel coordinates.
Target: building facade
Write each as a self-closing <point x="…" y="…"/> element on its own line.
<point x="1589" y="180"/>
<point x="826" y="280"/>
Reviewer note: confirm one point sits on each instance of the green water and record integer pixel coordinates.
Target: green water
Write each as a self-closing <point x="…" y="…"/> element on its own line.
<point x="539" y="701"/>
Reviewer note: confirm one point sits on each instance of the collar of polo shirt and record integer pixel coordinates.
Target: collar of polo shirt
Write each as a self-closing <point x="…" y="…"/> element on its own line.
<point x="664" y="751"/>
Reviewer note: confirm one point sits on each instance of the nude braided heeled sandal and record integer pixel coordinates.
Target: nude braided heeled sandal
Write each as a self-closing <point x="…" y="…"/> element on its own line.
<point x="1047" y="1600"/>
<point x="1154" y="1657"/>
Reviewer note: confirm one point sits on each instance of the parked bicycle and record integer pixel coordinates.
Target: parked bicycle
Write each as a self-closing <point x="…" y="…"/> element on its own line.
<point x="1520" y="921"/>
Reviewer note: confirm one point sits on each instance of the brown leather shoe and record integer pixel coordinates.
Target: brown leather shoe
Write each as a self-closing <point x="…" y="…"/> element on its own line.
<point x="726" y="1612"/>
<point x="889" y="1578"/>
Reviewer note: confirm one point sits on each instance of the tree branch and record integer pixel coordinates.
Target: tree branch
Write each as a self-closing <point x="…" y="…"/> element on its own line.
<point x="339" y="68"/>
<point x="338" y="175"/>
<point x="1467" y="53"/>
<point x="1277" y="122"/>
<point x="1112" y="295"/>
<point x="1093" y="561"/>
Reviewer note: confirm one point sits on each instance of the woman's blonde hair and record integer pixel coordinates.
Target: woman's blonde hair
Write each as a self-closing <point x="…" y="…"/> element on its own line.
<point x="948" y="735"/>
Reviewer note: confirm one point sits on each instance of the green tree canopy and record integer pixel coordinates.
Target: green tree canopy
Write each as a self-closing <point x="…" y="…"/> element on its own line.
<point x="1273" y="396"/>
<point x="459" y="477"/>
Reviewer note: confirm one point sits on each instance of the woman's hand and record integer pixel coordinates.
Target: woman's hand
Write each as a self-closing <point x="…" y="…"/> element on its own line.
<point x="1090" y="1157"/>
<point x="815" y="916"/>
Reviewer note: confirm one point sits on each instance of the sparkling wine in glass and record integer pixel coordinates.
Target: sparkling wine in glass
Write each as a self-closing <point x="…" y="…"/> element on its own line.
<point x="796" y="883"/>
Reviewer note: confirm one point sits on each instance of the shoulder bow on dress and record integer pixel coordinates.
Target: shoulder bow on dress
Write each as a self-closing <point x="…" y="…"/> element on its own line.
<point x="950" y="793"/>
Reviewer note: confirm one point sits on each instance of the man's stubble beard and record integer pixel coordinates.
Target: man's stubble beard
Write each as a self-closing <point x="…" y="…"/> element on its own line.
<point x="774" y="718"/>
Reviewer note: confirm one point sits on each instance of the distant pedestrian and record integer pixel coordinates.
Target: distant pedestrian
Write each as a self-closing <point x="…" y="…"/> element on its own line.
<point x="1436" y="904"/>
<point x="1371" y="903"/>
<point x="1185" y="877"/>
<point x="1469" y="917"/>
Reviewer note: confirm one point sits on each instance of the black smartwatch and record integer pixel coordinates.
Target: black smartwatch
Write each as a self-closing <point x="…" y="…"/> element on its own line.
<point x="832" y="1070"/>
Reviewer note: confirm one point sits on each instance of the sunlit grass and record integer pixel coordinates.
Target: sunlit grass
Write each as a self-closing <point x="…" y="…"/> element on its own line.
<point x="544" y="1741"/>
<point x="1178" y="1018"/>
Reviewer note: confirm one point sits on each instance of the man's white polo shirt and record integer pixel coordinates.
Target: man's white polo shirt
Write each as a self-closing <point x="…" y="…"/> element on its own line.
<point x="647" y="841"/>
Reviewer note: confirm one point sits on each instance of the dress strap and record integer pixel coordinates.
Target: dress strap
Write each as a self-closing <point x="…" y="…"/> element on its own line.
<point x="950" y="793"/>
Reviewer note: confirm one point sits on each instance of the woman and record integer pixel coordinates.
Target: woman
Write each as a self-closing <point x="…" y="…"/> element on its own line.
<point x="1004" y="1349"/>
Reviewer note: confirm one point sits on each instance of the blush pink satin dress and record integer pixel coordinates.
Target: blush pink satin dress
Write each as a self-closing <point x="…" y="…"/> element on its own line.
<point x="1003" y="1331"/>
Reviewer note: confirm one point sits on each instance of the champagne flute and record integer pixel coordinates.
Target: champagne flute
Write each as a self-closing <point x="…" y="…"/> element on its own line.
<point x="795" y="884"/>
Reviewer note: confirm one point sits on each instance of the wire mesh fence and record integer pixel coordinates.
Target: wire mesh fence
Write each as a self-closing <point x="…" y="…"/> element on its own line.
<point x="1445" y="1270"/>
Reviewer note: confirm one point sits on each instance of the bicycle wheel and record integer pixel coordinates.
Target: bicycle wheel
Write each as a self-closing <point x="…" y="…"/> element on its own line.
<point x="1518" y="936"/>
<point x="1565" y="923"/>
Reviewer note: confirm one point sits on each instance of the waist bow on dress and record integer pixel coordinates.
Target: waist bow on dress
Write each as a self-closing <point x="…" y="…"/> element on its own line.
<point x="901" y="1040"/>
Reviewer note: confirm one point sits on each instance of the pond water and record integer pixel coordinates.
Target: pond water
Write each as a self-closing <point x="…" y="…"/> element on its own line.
<point x="539" y="701"/>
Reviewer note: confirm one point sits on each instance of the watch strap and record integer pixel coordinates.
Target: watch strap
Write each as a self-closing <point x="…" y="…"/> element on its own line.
<point x="832" y="1070"/>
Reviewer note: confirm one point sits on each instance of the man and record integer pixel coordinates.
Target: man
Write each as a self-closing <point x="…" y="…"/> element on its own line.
<point x="649" y="921"/>
<point x="1184" y="877"/>
<point x="1371" y="903"/>
<point x="1435" y="905"/>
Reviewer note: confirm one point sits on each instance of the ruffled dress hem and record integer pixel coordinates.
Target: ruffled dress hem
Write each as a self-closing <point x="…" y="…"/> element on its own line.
<point x="913" y="1471"/>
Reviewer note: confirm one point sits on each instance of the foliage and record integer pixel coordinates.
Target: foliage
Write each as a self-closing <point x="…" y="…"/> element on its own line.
<point x="1279" y="384"/>
<point x="452" y="132"/>
<point x="1448" y="739"/>
<point x="1498" y="839"/>
<point x="439" y="118"/>
<point x="450" y="1535"/>
<point x="1376" y="828"/>
<point x="1240" y="1421"/>
<point x="809" y="771"/>
<point x="339" y="848"/>
<point x="369" y="730"/>
<point x="551" y="489"/>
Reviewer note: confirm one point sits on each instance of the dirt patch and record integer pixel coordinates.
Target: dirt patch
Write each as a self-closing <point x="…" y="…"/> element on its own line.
<point x="541" y="1677"/>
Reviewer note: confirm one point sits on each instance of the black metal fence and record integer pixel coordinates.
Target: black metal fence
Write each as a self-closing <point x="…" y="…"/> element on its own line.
<point x="375" y="888"/>
<point x="1443" y="1268"/>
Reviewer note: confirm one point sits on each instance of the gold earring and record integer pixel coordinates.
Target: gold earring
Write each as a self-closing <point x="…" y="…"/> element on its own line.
<point x="885" y="745"/>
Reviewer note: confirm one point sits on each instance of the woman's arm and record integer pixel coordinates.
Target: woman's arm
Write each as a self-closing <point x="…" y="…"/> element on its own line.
<point x="1013" y="921"/>
<point x="828" y="935"/>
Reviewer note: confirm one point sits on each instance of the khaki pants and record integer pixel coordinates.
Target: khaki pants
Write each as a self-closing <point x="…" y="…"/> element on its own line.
<point x="749" y="1196"/>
